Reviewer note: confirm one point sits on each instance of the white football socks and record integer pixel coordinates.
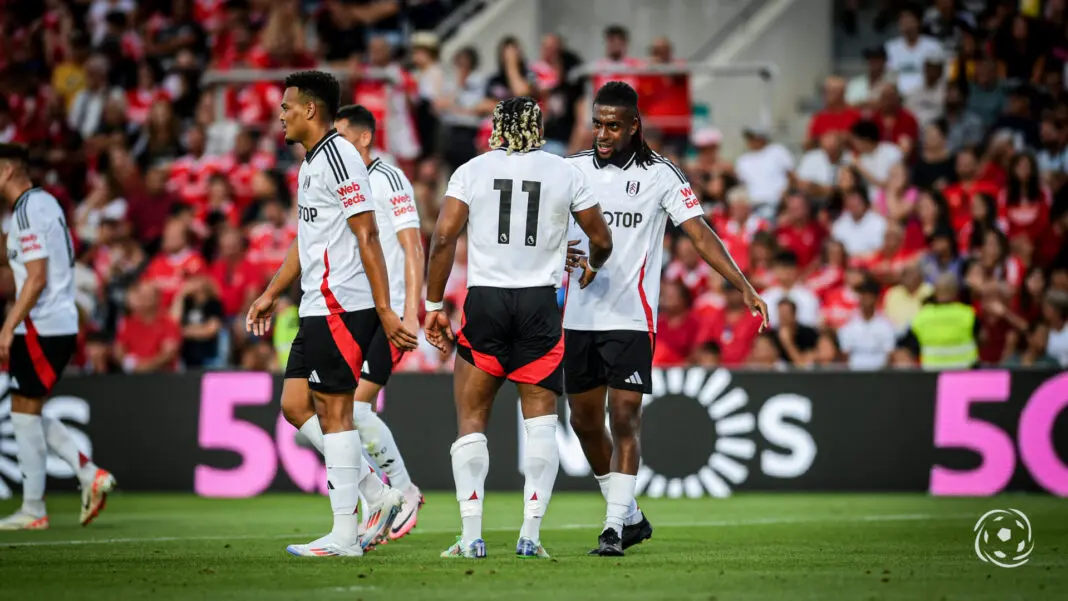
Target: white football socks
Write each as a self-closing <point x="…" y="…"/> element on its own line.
<point x="470" y="465"/>
<point x="541" y="462"/>
<point x="344" y="468"/>
<point x="620" y="497"/>
<point x="634" y="515"/>
<point x="379" y="444"/>
<point x="58" y="438"/>
<point x="32" y="455"/>
<point x="313" y="432"/>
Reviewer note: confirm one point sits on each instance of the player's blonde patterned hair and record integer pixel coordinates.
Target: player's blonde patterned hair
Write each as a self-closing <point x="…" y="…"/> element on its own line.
<point x="516" y="125"/>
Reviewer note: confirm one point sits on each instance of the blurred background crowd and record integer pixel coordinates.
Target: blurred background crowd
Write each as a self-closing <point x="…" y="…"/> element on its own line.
<point x="921" y="220"/>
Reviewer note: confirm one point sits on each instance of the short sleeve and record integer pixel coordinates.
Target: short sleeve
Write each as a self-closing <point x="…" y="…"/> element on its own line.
<point x="403" y="212"/>
<point x="458" y="187"/>
<point x="582" y="197"/>
<point x="30" y="230"/>
<point x="678" y="198"/>
<point x="349" y="174"/>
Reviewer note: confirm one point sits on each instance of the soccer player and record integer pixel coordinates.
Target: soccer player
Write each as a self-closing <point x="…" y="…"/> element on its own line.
<point x="345" y="301"/>
<point x="610" y="316"/>
<point x="37" y="341"/>
<point x="515" y="201"/>
<point x="398" y="223"/>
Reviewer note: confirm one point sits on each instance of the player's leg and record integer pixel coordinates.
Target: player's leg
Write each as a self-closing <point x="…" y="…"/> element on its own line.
<point x="32" y="457"/>
<point x="628" y="356"/>
<point x="481" y="351"/>
<point x="297" y="404"/>
<point x="95" y="482"/>
<point x="537" y="368"/>
<point x="378" y="441"/>
<point x="584" y="380"/>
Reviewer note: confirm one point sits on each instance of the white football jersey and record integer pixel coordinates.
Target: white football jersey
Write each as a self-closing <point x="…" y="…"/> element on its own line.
<point x="38" y="230"/>
<point x="395" y="211"/>
<point x="332" y="186"/>
<point x="520" y="205"/>
<point x="636" y="202"/>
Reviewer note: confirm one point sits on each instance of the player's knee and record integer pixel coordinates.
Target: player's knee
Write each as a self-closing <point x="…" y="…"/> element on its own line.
<point x="297" y="410"/>
<point x="335" y="414"/>
<point x="586" y="420"/>
<point x="21" y="404"/>
<point x="625" y="420"/>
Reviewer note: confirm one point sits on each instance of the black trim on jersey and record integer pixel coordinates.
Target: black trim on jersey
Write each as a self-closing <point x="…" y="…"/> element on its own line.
<point x="22" y="215"/>
<point x="678" y="172"/>
<point x="616" y="160"/>
<point x="391" y="174"/>
<point x="579" y="154"/>
<point x="334" y="158"/>
<point x="330" y="135"/>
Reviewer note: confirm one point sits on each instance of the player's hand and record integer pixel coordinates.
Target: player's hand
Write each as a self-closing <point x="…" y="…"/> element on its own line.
<point x="438" y="330"/>
<point x="756" y="306"/>
<point x="401" y="337"/>
<point x="7" y="337"/>
<point x="574" y="254"/>
<point x="411" y="323"/>
<point x="258" y="320"/>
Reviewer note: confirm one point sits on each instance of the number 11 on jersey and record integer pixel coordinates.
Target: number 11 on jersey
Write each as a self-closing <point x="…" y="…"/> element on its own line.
<point x="504" y="220"/>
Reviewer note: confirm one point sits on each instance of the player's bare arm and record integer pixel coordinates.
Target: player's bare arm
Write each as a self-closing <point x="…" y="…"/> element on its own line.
<point x="711" y="249"/>
<point x="36" y="279"/>
<point x="258" y="320"/>
<point x="451" y="221"/>
<point x="365" y="229"/>
<point x="414" y="260"/>
<point x="595" y="227"/>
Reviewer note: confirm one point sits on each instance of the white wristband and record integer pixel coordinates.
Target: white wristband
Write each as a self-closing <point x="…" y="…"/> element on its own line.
<point x="432" y="306"/>
<point x="592" y="268"/>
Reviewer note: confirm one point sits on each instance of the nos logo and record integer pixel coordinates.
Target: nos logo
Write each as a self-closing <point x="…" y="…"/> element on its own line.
<point x="71" y="410"/>
<point x="733" y="431"/>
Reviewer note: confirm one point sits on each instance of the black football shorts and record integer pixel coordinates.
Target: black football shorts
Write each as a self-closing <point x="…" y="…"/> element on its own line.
<point x="620" y="359"/>
<point x="329" y="350"/>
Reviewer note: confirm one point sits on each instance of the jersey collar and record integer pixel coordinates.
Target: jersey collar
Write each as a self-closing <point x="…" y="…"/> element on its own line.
<point x="373" y="164"/>
<point x="314" y="149"/>
<point x="23" y="197"/>
<point x="619" y="160"/>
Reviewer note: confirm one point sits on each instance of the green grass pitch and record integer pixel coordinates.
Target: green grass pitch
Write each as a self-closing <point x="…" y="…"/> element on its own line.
<point x="750" y="547"/>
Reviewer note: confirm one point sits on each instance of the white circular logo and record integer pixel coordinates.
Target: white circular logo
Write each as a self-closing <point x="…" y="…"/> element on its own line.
<point x="736" y="430"/>
<point x="1003" y="538"/>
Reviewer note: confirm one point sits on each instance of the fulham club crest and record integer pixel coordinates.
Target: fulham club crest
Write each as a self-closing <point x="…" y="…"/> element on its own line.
<point x="633" y="187"/>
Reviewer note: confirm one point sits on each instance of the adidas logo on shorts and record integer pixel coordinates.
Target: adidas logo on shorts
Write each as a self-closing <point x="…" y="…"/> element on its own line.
<point x="634" y="379"/>
<point x="314" y="378"/>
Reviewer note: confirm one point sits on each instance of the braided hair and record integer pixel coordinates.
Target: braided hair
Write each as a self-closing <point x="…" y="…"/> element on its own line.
<point x="516" y="125"/>
<point x="617" y="93"/>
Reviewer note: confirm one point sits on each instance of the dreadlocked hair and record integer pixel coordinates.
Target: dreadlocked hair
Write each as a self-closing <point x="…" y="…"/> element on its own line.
<point x="617" y="93"/>
<point x="516" y="125"/>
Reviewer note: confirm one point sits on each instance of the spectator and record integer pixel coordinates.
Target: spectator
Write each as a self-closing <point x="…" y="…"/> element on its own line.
<point x="562" y="97"/>
<point x="688" y="268"/>
<point x="941" y="257"/>
<point x="1020" y="48"/>
<point x="1025" y="202"/>
<point x="148" y="339"/>
<point x="197" y="309"/>
<point x="960" y="196"/>
<point x="460" y="108"/>
<point x="796" y="342"/>
<point x="927" y="101"/>
<point x="1018" y="118"/>
<point x="945" y="329"/>
<point x="963" y="127"/>
<point x="948" y="24"/>
<point x="867" y="339"/>
<point x="829" y="273"/>
<point x="708" y="164"/>
<point x="872" y="157"/>
<point x="512" y="78"/>
<point x="836" y="116"/>
<point x="87" y="110"/>
<point x="1034" y="353"/>
<point x="69" y="76"/>
<point x="859" y="228"/>
<point x="676" y="327"/>
<point x="788" y="286"/>
<point x="733" y="329"/>
<point x="827" y="355"/>
<point x="1055" y="311"/>
<point x="389" y="93"/>
<point x="897" y="200"/>
<point x="765" y="169"/>
<point x="999" y="327"/>
<point x="736" y="228"/>
<point x="936" y="166"/>
<point x="765" y="354"/>
<point x="903" y="358"/>
<point x="799" y="232"/>
<point x="861" y="89"/>
<point x="616" y="47"/>
<point x="818" y="170"/>
<point x="896" y="124"/>
<point x="707" y="355"/>
<point x="237" y="278"/>
<point x="986" y="95"/>
<point x="176" y="261"/>
<point x="840" y="304"/>
<point x="1053" y="156"/>
<point x="903" y="301"/>
<point x="906" y="53"/>
<point x="666" y="99"/>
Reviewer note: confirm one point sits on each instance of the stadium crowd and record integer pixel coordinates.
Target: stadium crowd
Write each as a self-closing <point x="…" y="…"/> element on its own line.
<point x="938" y="174"/>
